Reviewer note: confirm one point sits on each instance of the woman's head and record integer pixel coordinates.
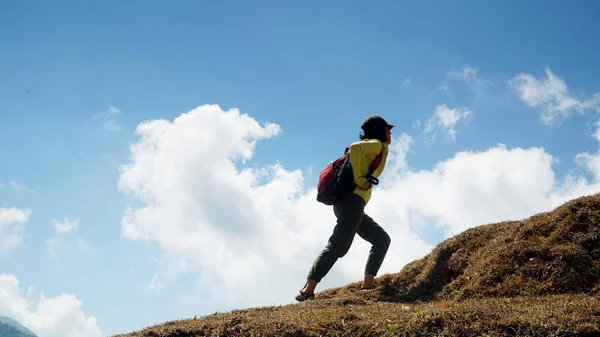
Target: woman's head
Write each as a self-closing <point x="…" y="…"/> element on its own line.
<point x="375" y="127"/>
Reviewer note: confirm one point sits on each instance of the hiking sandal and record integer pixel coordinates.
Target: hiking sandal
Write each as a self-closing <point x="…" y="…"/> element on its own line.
<point x="302" y="296"/>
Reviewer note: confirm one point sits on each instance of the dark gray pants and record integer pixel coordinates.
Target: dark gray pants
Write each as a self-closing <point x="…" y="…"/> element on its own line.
<point x="351" y="220"/>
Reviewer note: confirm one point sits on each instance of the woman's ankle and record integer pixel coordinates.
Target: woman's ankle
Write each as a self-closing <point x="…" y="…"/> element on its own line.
<point x="368" y="281"/>
<point x="310" y="286"/>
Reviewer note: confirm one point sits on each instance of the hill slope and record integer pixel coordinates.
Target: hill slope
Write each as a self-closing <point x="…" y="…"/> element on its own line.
<point x="11" y="328"/>
<point x="550" y="253"/>
<point x="539" y="276"/>
<point x="10" y="331"/>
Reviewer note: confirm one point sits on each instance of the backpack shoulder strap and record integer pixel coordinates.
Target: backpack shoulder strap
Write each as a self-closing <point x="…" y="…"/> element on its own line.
<point x="374" y="165"/>
<point x="376" y="162"/>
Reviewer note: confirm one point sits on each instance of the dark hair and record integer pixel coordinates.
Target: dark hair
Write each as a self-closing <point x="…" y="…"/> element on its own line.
<point x="374" y="133"/>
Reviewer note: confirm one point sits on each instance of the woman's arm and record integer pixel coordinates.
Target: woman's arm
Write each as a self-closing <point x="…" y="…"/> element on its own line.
<point x="358" y="151"/>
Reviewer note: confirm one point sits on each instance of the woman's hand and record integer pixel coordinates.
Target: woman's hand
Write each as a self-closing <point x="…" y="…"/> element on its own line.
<point x="365" y="186"/>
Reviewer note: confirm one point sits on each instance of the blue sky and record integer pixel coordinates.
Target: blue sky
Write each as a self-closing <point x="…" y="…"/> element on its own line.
<point x="76" y="80"/>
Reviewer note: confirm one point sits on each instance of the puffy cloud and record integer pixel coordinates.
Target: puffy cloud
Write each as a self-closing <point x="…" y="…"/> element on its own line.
<point x="251" y="233"/>
<point x="66" y="226"/>
<point x="398" y="152"/>
<point x="445" y="119"/>
<point x="591" y="162"/>
<point x="552" y="95"/>
<point x="62" y="228"/>
<point x="475" y="188"/>
<point x="60" y="316"/>
<point x="238" y="226"/>
<point x="12" y="226"/>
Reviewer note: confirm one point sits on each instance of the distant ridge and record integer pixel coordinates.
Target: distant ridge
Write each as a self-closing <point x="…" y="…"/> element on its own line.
<point x="17" y="326"/>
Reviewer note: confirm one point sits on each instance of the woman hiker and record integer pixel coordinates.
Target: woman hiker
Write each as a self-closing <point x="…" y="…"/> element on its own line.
<point x="351" y="218"/>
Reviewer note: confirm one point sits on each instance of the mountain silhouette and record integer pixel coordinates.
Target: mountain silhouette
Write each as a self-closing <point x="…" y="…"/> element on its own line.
<point x="11" y="328"/>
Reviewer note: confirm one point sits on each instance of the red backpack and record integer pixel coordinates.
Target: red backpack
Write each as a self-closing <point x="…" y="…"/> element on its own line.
<point x="337" y="180"/>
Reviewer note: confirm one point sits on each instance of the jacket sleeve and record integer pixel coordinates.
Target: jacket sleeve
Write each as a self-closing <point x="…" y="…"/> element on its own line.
<point x="358" y="151"/>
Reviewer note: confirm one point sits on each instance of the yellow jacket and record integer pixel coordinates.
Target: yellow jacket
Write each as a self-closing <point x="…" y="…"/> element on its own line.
<point x="362" y="153"/>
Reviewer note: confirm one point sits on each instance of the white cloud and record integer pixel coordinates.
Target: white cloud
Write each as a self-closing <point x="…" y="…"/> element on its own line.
<point x="445" y="120"/>
<point x="246" y="228"/>
<point x="61" y="229"/>
<point x="108" y="118"/>
<point x="113" y="110"/>
<point x="443" y="87"/>
<point x="552" y="96"/>
<point x="111" y="125"/>
<point x="15" y="186"/>
<point x="52" y="245"/>
<point x="83" y="244"/>
<point x="12" y="226"/>
<point x="472" y="188"/>
<point x="154" y="284"/>
<point x="467" y="74"/>
<point x="66" y="226"/>
<point x="398" y="151"/>
<point x="591" y="162"/>
<point x="18" y="187"/>
<point x="59" y="316"/>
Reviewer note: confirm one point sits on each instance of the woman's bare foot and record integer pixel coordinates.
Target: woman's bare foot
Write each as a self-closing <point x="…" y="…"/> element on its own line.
<point x="368" y="282"/>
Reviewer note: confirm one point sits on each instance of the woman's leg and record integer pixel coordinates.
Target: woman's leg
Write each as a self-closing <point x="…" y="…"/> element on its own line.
<point x="349" y="213"/>
<point x="380" y="241"/>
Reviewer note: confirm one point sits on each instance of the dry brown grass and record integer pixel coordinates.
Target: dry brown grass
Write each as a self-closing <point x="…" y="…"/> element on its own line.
<point x="535" y="277"/>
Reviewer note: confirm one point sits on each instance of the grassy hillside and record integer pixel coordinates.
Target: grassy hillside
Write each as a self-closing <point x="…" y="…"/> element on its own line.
<point x="535" y="277"/>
